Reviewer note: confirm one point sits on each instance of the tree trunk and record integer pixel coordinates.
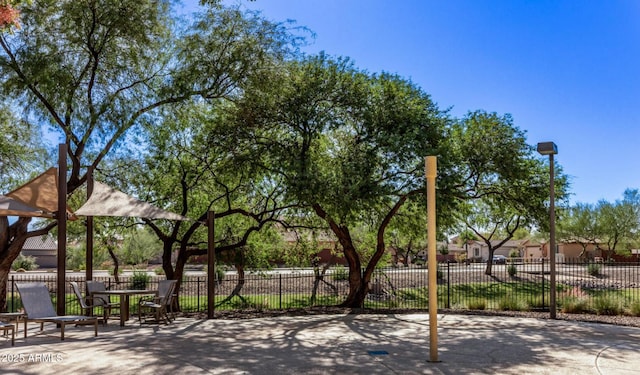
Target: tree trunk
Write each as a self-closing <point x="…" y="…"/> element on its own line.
<point x="12" y="238"/>
<point x="183" y="256"/>
<point x="488" y="270"/>
<point x="319" y="278"/>
<point x="116" y="264"/>
<point x="4" y="280"/>
<point x="357" y="294"/>
<point x="359" y="279"/>
<point x="238" y="287"/>
<point x="357" y="291"/>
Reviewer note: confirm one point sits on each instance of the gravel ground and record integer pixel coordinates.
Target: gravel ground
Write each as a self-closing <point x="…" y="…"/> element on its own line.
<point x="631" y="321"/>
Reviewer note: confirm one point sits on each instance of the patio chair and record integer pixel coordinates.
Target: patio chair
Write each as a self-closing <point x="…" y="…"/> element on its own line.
<point x="87" y="303"/>
<point x="159" y="304"/>
<point x="37" y="304"/>
<point x="9" y="327"/>
<point x="170" y="306"/>
<point x="100" y="300"/>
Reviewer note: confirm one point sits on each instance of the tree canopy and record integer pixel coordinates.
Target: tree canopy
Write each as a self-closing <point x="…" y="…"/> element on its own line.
<point x="220" y="112"/>
<point x="97" y="72"/>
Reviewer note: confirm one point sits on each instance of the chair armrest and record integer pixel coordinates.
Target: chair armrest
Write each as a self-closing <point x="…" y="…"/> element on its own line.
<point x="100" y="299"/>
<point x="147" y="299"/>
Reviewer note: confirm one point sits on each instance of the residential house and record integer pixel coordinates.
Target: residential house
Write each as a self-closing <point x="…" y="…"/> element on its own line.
<point x="326" y="243"/>
<point x="478" y="251"/>
<point x="533" y="250"/>
<point x="44" y="249"/>
<point x="571" y="250"/>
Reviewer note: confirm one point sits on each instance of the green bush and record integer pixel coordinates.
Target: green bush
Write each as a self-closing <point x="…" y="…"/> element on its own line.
<point x="593" y="269"/>
<point x="220" y="273"/>
<point x="606" y="305"/>
<point x="477" y="304"/>
<point x="635" y="308"/>
<point x="26" y="263"/>
<point x="512" y="270"/>
<point x="574" y="305"/>
<point x="340" y="274"/>
<point x="536" y="302"/>
<point x="139" y="280"/>
<point x="511" y="304"/>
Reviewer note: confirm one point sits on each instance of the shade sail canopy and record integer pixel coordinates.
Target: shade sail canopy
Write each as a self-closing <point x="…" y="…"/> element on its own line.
<point x="106" y="201"/>
<point x="12" y="207"/>
<point x="41" y="192"/>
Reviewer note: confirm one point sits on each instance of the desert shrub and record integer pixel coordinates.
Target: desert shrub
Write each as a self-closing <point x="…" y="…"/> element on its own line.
<point x="536" y="303"/>
<point x="607" y="305"/>
<point x="574" y="305"/>
<point x="139" y="280"/>
<point x="418" y="262"/>
<point x="220" y="273"/>
<point x="25" y="263"/>
<point x="511" y="304"/>
<point x="478" y="304"/>
<point x="340" y="273"/>
<point x="593" y="269"/>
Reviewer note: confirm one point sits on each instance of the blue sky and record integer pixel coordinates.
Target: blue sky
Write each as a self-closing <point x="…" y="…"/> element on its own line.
<point x="567" y="71"/>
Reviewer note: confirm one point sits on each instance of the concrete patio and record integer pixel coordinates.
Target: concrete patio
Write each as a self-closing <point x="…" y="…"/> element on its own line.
<point x="329" y="344"/>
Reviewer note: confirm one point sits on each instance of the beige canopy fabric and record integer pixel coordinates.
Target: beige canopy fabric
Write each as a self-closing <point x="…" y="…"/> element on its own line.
<point x="41" y="192"/>
<point x="12" y="207"/>
<point x="106" y="201"/>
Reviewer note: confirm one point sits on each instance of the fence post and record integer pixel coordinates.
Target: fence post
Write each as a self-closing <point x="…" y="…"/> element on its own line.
<point x="448" y="285"/>
<point x="362" y="276"/>
<point x="13" y="294"/>
<point x="280" y="290"/>
<point x="198" y="293"/>
<point x="542" y="273"/>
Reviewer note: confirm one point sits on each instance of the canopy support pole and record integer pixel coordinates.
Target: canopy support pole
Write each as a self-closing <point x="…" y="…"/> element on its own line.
<point x="89" y="255"/>
<point x="62" y="229"/>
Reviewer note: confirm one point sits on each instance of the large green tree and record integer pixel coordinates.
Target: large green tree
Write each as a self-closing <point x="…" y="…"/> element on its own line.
<point x="579" y="224"/>
<point x="186" y="168"/>
<point x="349" y="145"/>
<point x="21" y="149"/>
<point x="503" y="183"/>
<point x="95" y="71"/>
<point x="618" y="223"/>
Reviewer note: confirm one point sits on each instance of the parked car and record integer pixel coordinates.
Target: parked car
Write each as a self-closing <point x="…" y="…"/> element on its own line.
<point x="499" y="259"/>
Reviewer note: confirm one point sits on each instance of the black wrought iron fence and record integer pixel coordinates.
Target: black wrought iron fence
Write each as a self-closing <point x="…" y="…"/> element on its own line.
<point x="609" y="288"/>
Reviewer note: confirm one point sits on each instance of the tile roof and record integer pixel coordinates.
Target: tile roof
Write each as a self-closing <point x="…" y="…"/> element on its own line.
<point x="40" y="243"/>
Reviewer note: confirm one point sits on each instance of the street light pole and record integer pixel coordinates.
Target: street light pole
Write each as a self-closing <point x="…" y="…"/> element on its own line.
<point x="550" y="148"/>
